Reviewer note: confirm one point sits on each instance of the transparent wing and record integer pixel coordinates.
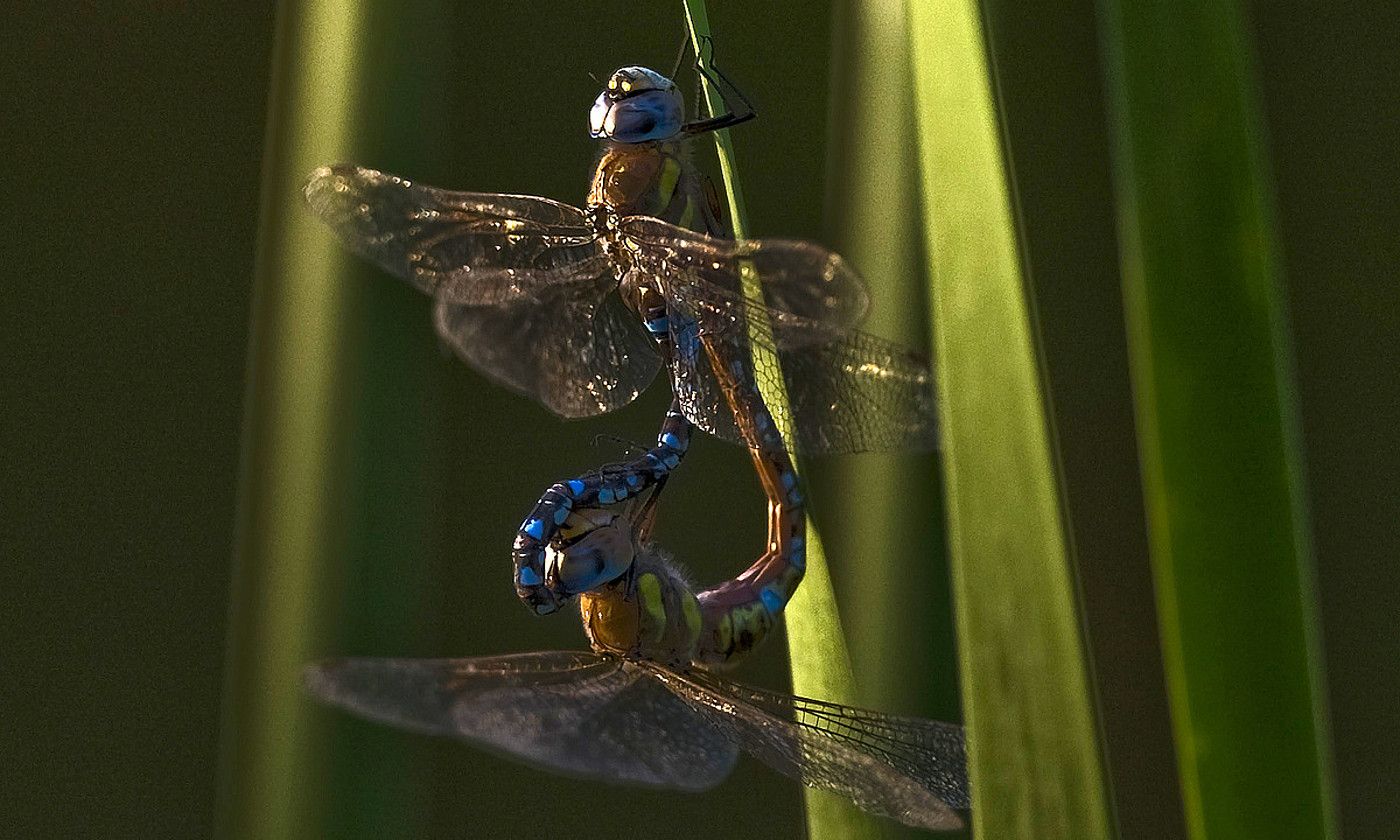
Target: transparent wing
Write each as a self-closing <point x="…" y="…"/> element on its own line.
<point x="523" y="289"/>
<point x="799" y="279"/>
<point x="909" y="769"/>
<point x="573" y="346"/>
<point x="477" y="248"/>
<point x="576" y="713"/>
<point x="847" y="391"/>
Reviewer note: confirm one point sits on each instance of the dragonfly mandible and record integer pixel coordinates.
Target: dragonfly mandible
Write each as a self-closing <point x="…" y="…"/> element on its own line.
<point x="646" y="705"/>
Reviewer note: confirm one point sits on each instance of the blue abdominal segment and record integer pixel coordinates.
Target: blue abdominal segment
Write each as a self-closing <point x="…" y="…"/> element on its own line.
<point x="686" y="337"/>
<point x="611" y="484"/>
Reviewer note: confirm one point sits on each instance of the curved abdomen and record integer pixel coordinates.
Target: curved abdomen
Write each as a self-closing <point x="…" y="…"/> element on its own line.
<point x="736" y="615"/>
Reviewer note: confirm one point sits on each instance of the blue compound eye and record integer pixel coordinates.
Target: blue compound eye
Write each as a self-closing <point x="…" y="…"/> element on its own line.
<point x="639" y="105"/>
<point x="627" y="81"/>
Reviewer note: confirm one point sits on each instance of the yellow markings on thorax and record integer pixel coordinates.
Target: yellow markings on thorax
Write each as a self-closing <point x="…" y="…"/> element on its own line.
<point x="688" y="215"/>
<point x="653" y="615"/>
<point x="653" y="607"/>
<point x="691" y="608"/>
<point x="639" y="178"/>
<point x="666" y="184"/>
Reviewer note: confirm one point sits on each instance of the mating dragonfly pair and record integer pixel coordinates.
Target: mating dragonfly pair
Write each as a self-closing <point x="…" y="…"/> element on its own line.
<point x="579" y="308"/>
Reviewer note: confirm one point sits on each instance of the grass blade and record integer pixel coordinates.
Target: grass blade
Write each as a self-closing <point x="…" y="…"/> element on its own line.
<point x="1216" y="423"/>
<point x="1036" y="767"/>
<point x="887" y="505"/>
<point x="293" y="435"/>
<point x="888" y="555"/>
<point x="820" y="662"/>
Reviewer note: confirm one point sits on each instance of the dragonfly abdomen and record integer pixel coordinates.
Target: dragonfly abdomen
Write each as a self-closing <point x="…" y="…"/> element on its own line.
<point x="736" y="615"/>
<point x="563" y="547"/>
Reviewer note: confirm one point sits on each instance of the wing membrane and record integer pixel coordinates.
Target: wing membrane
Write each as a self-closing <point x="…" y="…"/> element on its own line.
<point x="475" y="248"/>
<point x="909" y="769"/>
<point x="524" y="292"/>
<point x="847" y="391"/>
<point x="801" y="279"/>
<point x="574" y="346"/>
<point x="576" y="713"/>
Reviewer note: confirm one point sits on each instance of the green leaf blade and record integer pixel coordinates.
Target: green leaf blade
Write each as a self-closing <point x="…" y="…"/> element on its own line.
<point x="1216" y="424"/>
<point x="282" y="552"/>
<point x="1035" y="761"/>
<point x="819" y="659"/>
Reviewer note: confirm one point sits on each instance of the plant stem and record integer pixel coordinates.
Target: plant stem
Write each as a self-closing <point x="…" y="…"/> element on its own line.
<point x="820" y="662"/>
<point x="1216" y="422"/>
<point x="1035" y="762"/>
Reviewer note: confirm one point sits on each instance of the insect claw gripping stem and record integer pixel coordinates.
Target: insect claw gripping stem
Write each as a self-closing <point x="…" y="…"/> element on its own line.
<point x="612" y="484"/>
<point x="706" y="68"/>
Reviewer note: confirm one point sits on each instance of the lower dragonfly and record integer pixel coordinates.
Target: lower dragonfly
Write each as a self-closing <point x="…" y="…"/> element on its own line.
<point x="646" y="705"/>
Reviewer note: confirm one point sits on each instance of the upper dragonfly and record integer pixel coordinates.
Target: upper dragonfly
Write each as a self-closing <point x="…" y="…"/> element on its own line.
<point x="579" y="308"/>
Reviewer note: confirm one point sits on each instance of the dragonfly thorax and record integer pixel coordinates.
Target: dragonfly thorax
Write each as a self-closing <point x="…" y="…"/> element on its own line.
<point x="650" y="613"/>
<point x="637" y="106"/>
<point x="606" y="221"/>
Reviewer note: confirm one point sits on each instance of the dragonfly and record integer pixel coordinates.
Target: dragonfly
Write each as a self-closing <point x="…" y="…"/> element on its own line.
<point x="581" y="307"/>
<point x="647" y="705"/>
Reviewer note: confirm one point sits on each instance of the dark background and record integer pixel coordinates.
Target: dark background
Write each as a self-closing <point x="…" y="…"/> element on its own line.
<point x="133" y="137"/>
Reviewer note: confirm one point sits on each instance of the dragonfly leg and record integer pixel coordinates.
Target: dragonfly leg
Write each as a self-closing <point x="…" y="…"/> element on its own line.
<point x="740" y="109"/>
<point x="646" y="514"/>
<point x="567" y="506"/>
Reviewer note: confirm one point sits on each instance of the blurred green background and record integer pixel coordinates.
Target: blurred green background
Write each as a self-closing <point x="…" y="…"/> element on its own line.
<point x="134" y="138"/>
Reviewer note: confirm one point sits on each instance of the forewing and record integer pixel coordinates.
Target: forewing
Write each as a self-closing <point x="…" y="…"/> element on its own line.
<point x="576" y="713"/>
<point x="909" y="769"/>
<point x="798" y="279"/>
<point x="479" y="248"/>
<point x="847" y="391"/>
<point x="574" y="346"/>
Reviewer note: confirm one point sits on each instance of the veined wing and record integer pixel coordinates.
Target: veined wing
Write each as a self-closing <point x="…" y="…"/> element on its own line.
<point x="798" y="279"/>
<point x="523" y="290"/>
<point x="478" y="248"/>
<point x="574" y="346"/>
<point x="576" y="713"/>
<point x="909" y="769"/>
<point x="847" y="391"/>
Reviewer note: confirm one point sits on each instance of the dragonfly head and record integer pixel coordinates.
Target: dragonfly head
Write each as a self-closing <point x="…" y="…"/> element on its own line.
<point x="595" y="547"/>
<point x="637" y="106"/>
